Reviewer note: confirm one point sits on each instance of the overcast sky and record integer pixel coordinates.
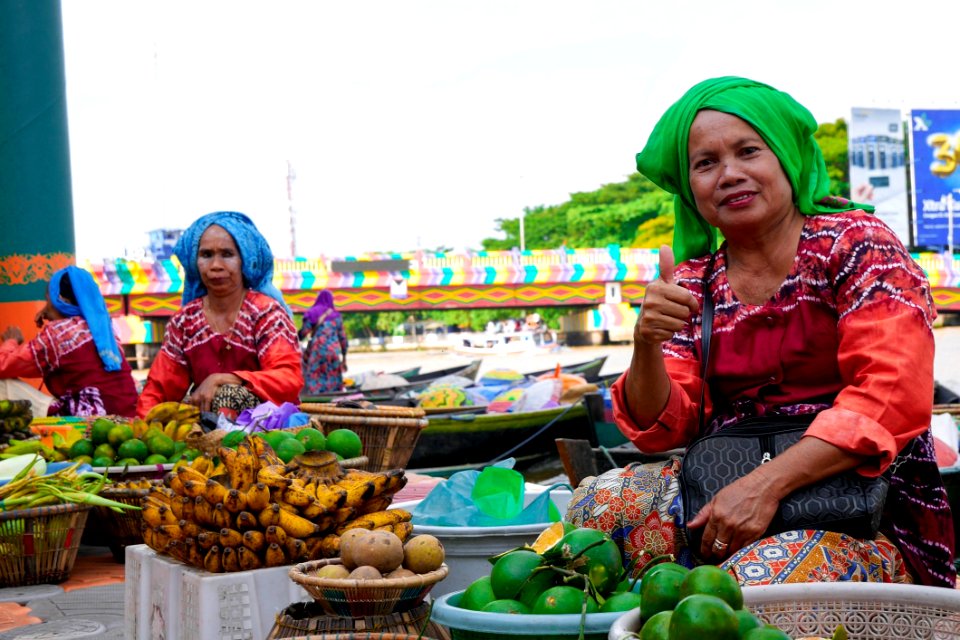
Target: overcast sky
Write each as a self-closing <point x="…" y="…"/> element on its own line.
<point x="416" y="124"/>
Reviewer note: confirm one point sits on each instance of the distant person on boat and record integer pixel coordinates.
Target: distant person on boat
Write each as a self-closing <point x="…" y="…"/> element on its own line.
<point x="232" y="345"/>
<point x="819" y="309"/>
<point x="325" y="356"/>
<point x="76" y="351"/>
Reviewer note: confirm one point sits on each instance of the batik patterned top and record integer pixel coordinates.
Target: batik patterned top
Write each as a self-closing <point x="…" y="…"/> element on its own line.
<point x="324" y="355"/>
<point x="261" y="349"/>
<point x="65" y="356"/>
<point x="849" y="335"/>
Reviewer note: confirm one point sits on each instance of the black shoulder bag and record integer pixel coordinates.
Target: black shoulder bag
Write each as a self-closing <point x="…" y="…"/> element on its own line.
<point x="845" y="503"/>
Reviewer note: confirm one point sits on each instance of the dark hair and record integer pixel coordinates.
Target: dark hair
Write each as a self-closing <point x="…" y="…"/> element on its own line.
<point x="66" y="289"/>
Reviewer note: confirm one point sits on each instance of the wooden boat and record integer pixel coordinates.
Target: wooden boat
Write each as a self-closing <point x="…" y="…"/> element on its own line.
<point x="415" y="380"/>
<point x="589" y="370"/>
<point x="468" y="371"/>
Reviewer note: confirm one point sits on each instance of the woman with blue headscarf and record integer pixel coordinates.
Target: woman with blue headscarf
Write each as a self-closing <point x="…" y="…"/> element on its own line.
<point x="76" y="352"/>
<point x="233" y="344"/>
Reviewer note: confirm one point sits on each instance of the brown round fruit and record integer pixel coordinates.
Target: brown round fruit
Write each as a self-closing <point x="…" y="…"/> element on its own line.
<point x="333" y="571"/>
<point x="400" y="573"/>
<point x="423" y="554"/>
<point x="380" y="549"/>
<point x="346" y="540"/>
<point x="365" y="572"/>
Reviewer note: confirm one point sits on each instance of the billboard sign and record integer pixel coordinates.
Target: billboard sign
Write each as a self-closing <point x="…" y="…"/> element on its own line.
<point x="936" y="177"/>
<point x="878" y="172"/>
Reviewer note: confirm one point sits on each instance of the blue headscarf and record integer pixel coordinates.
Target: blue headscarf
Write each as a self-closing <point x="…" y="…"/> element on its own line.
<point x="255" y="255"/>
<point x="91" y="306"/>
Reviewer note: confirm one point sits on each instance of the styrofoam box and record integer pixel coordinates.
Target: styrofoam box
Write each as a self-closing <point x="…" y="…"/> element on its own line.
<point x="467" y="549"/>
<point x="167" y="600"/>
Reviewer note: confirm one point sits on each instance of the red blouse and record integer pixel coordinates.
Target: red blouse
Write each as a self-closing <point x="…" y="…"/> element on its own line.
<point x="261" y="348"/>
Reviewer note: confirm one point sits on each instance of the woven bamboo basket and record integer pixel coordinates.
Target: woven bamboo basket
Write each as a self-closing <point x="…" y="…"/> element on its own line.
<point x="388" y="439"/>
<point x="309" y="620"/>
<point x="118" y="530"/>
<point x="366" y="635"/>
<point x="39" y="546"/>
<point x="356" y="598"/>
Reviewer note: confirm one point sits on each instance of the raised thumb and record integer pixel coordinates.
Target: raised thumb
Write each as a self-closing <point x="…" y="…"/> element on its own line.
<point x="666" y="264"/>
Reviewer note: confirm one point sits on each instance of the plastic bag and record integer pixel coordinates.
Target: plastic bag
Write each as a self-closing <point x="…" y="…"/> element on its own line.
<point x="490" y="498"/>
<point x="266" y="416"/>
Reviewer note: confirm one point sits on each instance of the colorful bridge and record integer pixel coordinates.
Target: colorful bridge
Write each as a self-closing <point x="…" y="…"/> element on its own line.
<point x="140" y="291"/>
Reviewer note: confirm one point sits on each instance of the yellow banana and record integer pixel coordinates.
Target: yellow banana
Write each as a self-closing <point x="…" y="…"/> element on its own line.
<point x="298" y="497"/>
<point x="329" y="546"/>
<point x="403" y="530"/>
<point x="273" y="477"/>
<point x="177" y="549"/>
<point x="247" y="521"/>
<point x="190" y="528"/>
<point x="296" y="526"/>
<point x="235" y="501"/>
<point x="151" y="515"/>
<point x="170" y="429"/>
<point x="194" y="554"/>
<point x="172" y="480"/>
<point x="139" y="426"/>
<point x="358" y="493"/>
<point x="188" y="508"/>
<point x="313" y="510"/>
<point x="247" y="466"/>
<point x="222" y="517"/>
<point x="270" y="516"/>
<point x="187" y="413"/>
<point x="162" y="412"/>
<point x="183" y="429"/>
<point x="193" y="488"/>
<point x="230" y="560"/>
<point x="213" y="561"/>
<point x="276" y="535"/>
<point x="230" y="538"/>
<point x="147" y="532"/>
<point x="263" y="451"/>
<point x="203" y="512"/>
<point x="207" y="539"/>
<point x="188" y="472"/>
<point x="275" y="556"/>
<point x="161" y="537"/>
<point x="254" y="540"/>
<point x="248" y="559"/>
<point x="331" y="496"/>
<point x="377" y="503"/>
<point x="396" y="480"/>
<point x="296" y="549"/>
<point x="214" y="492"/>
<point x="257" y="497"/>
<point x="204" y="465"/>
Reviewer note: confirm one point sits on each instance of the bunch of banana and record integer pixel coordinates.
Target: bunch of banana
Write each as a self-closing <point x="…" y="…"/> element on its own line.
<point x="251" y="510"/>
<point x="174" y="419"/>
<point x="15" y="417"/>
<point x="137" y="483"/>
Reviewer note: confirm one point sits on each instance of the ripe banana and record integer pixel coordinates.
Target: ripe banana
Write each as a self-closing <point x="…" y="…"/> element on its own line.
<point x="403" y="530"/>
<point x="207" y="539"/>
<point x="254" y="540"/>
<point x="276" y="535"/>
<point x="313" y="510"/>
<point x="273" y="477"/>
<point x="247" y="521"/>
<point x="214" y="492"/>
<point x="151" y="514"/>
<point x="230" y="538"/>
<point x="187" y="472"/>
<point x="222" y="517"/>
<point x="275" y="555"/>
<point x="187" y="413"/>
<point x="162" y="412"/>
<point x="270" y="516"/>
<point x="296" y="526"/>
<point x="329" y="546"/>
<point x="172" y="480"/>
<point x="203" y="512"/>
<point x="235" y="501"/>
<point x="213" y="561"/>
<point x="194" y="488"/>
<point x="296" y="549"/>
<point x="248" y="559"/>
<point x="258" y="497"/>
<point x="298" y="497"/>
<point x="170" y="429"/>
<point x="230" y="560"/>
<point x="194" y="553"/>
<point x="331" y="496"/>
<point x="183" y="429"/>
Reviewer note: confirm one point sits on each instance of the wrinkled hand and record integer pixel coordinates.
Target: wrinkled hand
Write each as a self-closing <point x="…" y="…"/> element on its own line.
<point x="13" y="333"/>
<point x="202" y="395"/>
<point x="738" y="515"/>
<point x="667" y="306"/>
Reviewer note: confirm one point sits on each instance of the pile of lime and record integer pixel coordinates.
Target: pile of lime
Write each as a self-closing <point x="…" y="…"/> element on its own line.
<point x="114" y="445"/>
<point x="288" y="443"/>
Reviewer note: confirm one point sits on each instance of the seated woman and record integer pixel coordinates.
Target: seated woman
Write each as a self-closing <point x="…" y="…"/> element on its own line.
<point x="232" y="345"/>
<point x="819" y="309"/>
<point x="76" y="351"/>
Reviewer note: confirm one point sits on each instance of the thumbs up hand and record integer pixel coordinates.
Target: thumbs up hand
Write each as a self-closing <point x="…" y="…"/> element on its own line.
<point x="667" y="306"/>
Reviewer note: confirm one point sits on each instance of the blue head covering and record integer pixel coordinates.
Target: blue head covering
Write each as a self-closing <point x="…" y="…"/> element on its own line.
<point x="255" y="255"/>
<point x="91" y="306"/>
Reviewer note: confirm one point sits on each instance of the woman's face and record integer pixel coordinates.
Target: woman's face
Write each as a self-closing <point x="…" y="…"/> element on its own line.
<point x="737" y="181"/>
<point x="219" y="263"/>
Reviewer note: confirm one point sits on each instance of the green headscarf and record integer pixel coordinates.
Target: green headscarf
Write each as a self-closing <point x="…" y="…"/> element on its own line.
<point x="784" y="124"/>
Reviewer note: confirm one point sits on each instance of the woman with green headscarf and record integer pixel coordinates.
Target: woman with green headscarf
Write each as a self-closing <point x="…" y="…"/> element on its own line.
<point x="818" y="310"/>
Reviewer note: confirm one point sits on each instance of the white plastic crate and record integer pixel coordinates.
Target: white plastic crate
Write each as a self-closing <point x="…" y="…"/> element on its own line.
<point x="167" y="600"/>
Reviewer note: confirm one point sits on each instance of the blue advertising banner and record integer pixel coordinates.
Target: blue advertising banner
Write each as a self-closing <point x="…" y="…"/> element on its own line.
<point x="878" y="171"/>
<point x="936" y="177"/>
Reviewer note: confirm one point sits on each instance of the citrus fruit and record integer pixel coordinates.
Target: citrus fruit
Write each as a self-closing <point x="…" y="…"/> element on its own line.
<point x="133" y="448"/>
<point x="233" y="438"/>
<point x="664" y="566"/>
<point x="127" y="462"/>
<point x="102" y="462"/>
<point x="104" y="451"/>
<point x="84" y="459"/>
<point x="477" y="595"/>
<point x="506" y="606"/>
<point x="624" y="601"/>
<point x="511" y="571"/>
<point x="747" y="621"/>
<point x="703" y="616"/>
<point x="151" y="432"/>
<point x="660" y="592"/>
<point x="551" y="536"/>
<point x="344" y="442"/>
<point x="155" y="458"/>
<point x="541" y="579"/>
<point x="657" y="627"/>
<point x="563" y="599"/>
<point x="119" y="434"/>
<point x="312" y="439"/>
<point x="714" y="581"/>
<point x="275" y="437"/>
<point x="289" y="448"/>
<point x="592" y="553"/>
<point x="81" y="447"/>
<point x="179" y="445"/>
<point x="190" y="454"/>
<point x="765" y="633"/>
<point x="100" y="430"/>
<point x="161" y="445"/>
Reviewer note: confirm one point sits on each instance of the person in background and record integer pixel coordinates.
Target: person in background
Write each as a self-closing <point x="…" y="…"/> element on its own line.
<point x="232" y="345"/>
<point x="819" y="309"/>
<point x="325" y="356"/>
<point x="76" y="351"/>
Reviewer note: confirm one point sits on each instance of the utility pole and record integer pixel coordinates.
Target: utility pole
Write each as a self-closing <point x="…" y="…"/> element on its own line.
<point x="291" y="176"/>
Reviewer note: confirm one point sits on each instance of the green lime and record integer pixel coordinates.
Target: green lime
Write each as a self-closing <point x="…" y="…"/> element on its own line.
<point x="312" y="439"/>
<point x="563" y="599"/>
<point x="747" y="621"/>
<point x="765" y="633"/>
<point x="179" y="445"/>
<point x="274" y="438"/>
<point x="233" y="438"/>
<point x="506" y="606"/>
<point x="104" y="451"/>
<point x="344" y="442"/>
<point x="511" y="572"/>
<point x="81" y="447"/>
<point x="539" y="581"/>
<point x="150" y="433"/>
<point x="657" y="627"/>
<point x="161" y="445"/>
<point x="595" y="555"/>
<point x="660" y="592"/>
<point x="155" y="458"/>
<point x="289" y="448"/>
<point x="190" y="454"/>
<point x="86" y="459"/>
<point x="127" y="462"/>
<point x="704" y="616"/>
<point x="102" y="462"/>
<point x="712" y="580"/>
<point x="133" y="448"/>
<point x="477" y="595"/>
<point x="624" y="601"/>
<point x="100" y="430"/>
<point x="119" y="434"/>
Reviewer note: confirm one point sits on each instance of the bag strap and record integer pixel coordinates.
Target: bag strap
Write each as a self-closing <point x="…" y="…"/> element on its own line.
<point x="706" y="329"/>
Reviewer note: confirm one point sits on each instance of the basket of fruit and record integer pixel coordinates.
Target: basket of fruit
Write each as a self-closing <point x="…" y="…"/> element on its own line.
<point x="376" y="574"/>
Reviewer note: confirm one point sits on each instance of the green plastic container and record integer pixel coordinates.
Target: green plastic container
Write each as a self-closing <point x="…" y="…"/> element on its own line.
<point x="478" y="625"/>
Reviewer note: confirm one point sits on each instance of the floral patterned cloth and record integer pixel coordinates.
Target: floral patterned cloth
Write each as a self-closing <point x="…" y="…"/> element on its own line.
<point x="324" y="354"/>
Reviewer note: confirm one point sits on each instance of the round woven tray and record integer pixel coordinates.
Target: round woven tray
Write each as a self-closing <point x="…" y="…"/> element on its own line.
<point x="364" y="597"/>
<point x="309" y="620"/>
<point x="39" y="546"/>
